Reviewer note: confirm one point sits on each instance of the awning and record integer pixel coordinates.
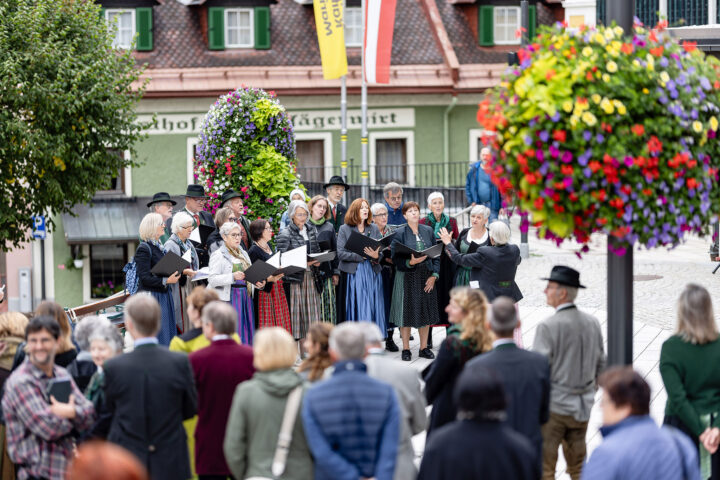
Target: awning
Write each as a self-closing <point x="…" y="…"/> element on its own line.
<point x="111" y="220"/>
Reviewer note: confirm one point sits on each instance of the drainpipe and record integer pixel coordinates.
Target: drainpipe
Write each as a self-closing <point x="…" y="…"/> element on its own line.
<point x="446" y="142"/>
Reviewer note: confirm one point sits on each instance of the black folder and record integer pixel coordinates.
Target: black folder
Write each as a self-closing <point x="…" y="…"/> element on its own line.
<point x="432" y="252"/>
<point x="357" y="243"/>
<point x="260" y="270"/>
<point x="205" y="231"/>
<point x="170" y="264"/>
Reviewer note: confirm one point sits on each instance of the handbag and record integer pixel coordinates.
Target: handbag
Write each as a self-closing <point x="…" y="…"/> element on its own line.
<point x="285" y="436"/>
<point x="132" y="281"/>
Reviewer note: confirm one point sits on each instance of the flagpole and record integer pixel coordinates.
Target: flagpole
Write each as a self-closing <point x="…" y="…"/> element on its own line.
<point x="343" y="129"/>
<point x="364" y="135"/>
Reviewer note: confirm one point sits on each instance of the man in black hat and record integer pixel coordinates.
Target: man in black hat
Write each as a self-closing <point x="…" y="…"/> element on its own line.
<point x="194" y="206"/>
<point x="572" y="341"/>
<point x="234" y="201"/>
<point x="162" y="203"/>
<point x="335" y="189"/>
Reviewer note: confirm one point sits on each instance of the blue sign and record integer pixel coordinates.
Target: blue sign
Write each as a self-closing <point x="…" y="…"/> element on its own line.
<point x="39" y="230"/>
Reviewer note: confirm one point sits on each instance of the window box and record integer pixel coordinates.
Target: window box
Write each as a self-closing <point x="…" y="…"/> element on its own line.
<point x="239" y="28"/>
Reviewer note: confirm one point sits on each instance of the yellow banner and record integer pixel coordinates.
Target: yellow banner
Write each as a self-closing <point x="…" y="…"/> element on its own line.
<point x="331" y="37"/>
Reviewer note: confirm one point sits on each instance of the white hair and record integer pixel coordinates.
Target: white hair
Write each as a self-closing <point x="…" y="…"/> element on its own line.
<point x="480" y="210"/>
<point x="435" y="195"/>
<point x="499" y="232"/>
<point x="149" y="225"/>
<point x="85" y="329"/>
<point x="348" y="341"/>
<point x="297" y="191"/>
<point x="372" y="333"/>
<point x="377" y="207"/>
<point x="294" y="205"/>
<point x="179" y="221"/>
<point x="227" y="228"/>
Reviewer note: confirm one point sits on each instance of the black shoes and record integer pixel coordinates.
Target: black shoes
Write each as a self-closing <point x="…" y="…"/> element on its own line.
<point x="406" y="355"/>
<point x="390" y="345"/>
<point x="429" y="342"/>
<point x="426" y="353"/>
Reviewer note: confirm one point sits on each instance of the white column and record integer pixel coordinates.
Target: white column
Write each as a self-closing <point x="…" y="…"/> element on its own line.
<point x="580" y="12"/>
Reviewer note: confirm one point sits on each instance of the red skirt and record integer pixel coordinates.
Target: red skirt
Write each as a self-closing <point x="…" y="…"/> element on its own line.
<point x="273" y="308"/>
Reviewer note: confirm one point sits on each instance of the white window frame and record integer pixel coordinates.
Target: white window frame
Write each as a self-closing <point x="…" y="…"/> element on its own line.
<point x="115" y="31"/>
<point x="358" y="27"/>
<point x="475" y="134"/>
<point x="191" y="144"/>
<point x="513" y="40"/>
<point x="409" y="137"/>
<point x="326" y="138"/>
<point x="227" y="13"/>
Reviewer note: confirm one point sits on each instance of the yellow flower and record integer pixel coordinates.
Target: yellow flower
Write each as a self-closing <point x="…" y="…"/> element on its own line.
<point x="589" y="119"/>
<point x="580" y="106"/>
<point x="59" y="163"/>
<point x="607" y="106"/>
<point x="609" y="34"/>
<point x="645" y="91"/>
<point x="596" y="98"/>
<point x="606" y="78"/>
<point x="611" y="67"/>
<point x="598" y="38"/>
<point x="513" y="129"/>
<point x="618" y="31"/>
<point x="697" y="126"/>
<point x="587" y="51"/>
<point x="650" y="62"/>
<point x="573" y="121"/>
<point x="567" y="106"/>
<point x="713" y="123"/>
<point x="664" y="77"/>
<point x="621" y="109"/>
<point x="636" y="63"/>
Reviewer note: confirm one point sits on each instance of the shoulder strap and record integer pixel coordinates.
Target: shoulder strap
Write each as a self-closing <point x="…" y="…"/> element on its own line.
<point x="285" y="437"/>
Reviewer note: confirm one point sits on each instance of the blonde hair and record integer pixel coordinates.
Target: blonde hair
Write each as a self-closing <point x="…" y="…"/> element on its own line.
<point x="12" y="324"/>
<point x="149" y="225"/>
<point x="696" y="320"/>
<point x="273" y="348"/>
<point x="475" y="305"/>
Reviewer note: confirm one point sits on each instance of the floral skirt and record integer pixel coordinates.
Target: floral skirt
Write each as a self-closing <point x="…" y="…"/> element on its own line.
<point x="273" y="308"/>
<point x="304" y="306"/>
<point x="364" y="300"/>
<point x="241" y="301"/>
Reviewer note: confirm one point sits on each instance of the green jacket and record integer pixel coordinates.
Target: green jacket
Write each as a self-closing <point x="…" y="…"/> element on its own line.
<point x="692" y="380"/>
<point x="254" y="424"/>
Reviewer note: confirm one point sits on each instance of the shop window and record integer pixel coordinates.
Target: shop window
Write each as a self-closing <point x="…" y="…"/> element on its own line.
<point x="390" y="161"/>
<point x="106" y="264"/>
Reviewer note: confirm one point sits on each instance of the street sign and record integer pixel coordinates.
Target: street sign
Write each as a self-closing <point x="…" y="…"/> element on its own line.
<point x="39" y="230"/>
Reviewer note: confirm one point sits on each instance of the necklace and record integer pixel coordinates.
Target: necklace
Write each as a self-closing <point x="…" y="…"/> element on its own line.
<point x="265" y="247"/>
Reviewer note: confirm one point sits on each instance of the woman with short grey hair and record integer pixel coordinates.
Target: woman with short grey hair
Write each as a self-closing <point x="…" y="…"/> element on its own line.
<point x="105" y="342"/>
<point x="470" y="239"/>
<point x="179" y="243"/>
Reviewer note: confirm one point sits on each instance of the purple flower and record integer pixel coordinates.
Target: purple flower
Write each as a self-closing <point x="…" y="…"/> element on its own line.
<point x="566" y="157"/>
<point x="540" y="155"/>
<point x="587" y="135"/>
<point x="585" y="158"/>
<point x="705" y="83"/>
<point x="554" y="152"/>
<point x="555" y="117"/>
<point x="544" y="136"/>
<point x="588" y="173"/>
<point x="599" y="138"/>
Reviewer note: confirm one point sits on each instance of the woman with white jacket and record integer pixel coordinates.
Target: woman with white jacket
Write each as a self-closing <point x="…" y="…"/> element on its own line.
<point x="226" y="276"/>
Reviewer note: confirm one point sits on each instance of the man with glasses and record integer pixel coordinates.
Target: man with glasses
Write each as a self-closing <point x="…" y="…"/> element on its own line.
<point x="233" y="200"/>
<point x="335" y="190"/>
<point x="393" y="194"/>
<point x="195" y="207"/>
<point x="162" y="203"/>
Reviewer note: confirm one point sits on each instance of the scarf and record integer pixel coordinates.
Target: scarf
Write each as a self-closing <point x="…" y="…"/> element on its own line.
<point x="317" y="223"/>
<point x="443" y="223"/>
<point x="184" y="247"/>
<point x="238" y="254"/>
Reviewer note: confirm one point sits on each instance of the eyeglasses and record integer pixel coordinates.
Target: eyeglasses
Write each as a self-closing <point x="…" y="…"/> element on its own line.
<point x="232" y="219"/>
<point x="381" y="214"/>
<point x="395" y="199"/>
<point x="268" y="227"/>
<point x="235" y="235"/>
<point x="186" y="227"/>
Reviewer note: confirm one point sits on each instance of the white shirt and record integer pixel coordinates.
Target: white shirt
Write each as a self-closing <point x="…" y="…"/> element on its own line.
<point x="220" y="337"/>
<point x="564" y="306"/>
<point x="482" y="239"/>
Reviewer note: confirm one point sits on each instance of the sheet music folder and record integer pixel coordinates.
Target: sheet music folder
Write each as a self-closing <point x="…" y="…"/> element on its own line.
<point x="169" y="264"/>
<point x="432" y="252"/>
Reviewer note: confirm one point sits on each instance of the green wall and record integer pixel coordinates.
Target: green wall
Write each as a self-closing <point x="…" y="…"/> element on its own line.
<point x="164" y="168"/>
<point x="68" y="283"/>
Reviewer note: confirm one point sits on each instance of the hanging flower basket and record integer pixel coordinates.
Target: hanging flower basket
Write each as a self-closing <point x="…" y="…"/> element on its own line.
<point x="597" y="132"/>
<point x="247" y="144"/>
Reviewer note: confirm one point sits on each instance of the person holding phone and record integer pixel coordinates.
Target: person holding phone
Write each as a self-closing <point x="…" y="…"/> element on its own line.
<point x="38" y="424"/>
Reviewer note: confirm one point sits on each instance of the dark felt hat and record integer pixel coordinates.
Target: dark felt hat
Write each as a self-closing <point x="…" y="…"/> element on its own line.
<point x="337" y="180"/>
<point x="229" y="195"/>
<point x="161" y="197"/>
<point x="565" y="276"/>
<point x="195" y="190"/>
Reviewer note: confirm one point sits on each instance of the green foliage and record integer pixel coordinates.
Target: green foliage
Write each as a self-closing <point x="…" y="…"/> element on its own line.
<point x="67" y="106"/>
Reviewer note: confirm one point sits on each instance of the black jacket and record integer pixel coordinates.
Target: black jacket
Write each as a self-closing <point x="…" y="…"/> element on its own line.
<point x="149" y="392"/>
<point x="405" y="236"/>
<point x="493" y="267"/>
<point x="470" y="450"/>
<point x="526" y="378"/>
<point x="327" y="240"/>
<point x="473" y="246"/>
<point x="290" y="238"/>
<point x="146" y="256"/>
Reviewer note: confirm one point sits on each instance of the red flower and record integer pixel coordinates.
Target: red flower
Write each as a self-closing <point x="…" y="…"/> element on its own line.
<point x="657" y="51"/>
<point x="689" y="46"/>
<point x="531" y="179"/>
<point x="654" y="145"/>
<point x="567" y="170"/>
<point x="594" y="166"/>
<point x="626" y="48"/>
<point x="538" y="203"/>
<point x="560" y="135"/>
<point x="638" y="129"/>
<point x="691" y="183"/>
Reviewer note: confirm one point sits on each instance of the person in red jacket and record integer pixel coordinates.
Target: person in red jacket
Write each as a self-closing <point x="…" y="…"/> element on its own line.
<point x="218" y="369"/>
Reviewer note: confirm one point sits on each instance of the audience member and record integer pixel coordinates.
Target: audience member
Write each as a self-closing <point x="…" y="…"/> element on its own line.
<point x="406" y="382"/>
<point x="83" y="367"/>
<point x="573" y="344"/>
<point x="179" y="243"/>
<point x="105" y="342"/>
<point x="162" y="203"/>
<point x="328" y="274"/>
<point x="148" y="393"/>
<point x="38" y="426"/>
<point x="352" y="421"/>
<point x="478" y="444"/>
<point x="259" y="408"/>
<point x="634" y="448"/>
<point x="479" y="189"/>
<point x="317" y="345"/>
<point x="335" y="190"/>
<point x="218" y="369"/>
<point x="12" y="335"/>
<point x="105" y="461"/>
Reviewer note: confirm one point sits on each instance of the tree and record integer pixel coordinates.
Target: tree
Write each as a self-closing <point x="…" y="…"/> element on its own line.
<point x="67" y="107"/>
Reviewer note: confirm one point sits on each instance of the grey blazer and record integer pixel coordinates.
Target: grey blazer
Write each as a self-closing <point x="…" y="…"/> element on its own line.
<point x="220" y="274"/>
<point x="350" y="260"/>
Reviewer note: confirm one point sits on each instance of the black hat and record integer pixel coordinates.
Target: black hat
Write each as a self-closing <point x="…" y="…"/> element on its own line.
<point x="195" y="190"/>
<point x="565" y="276"/>
<point x="229" y="195"/>
<point x="162" y="197"/>
<point x="337" y="180"/>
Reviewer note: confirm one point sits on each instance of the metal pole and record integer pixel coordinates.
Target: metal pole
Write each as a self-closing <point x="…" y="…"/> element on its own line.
<point x="42" y="269"/>
<point x="343" y="130"/>
<point x="365" y="191"/>
<point x="620" y="268"/>
<point x="525" y="12"/>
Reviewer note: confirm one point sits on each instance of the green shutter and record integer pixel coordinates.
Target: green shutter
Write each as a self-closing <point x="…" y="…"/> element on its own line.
<point x="532" y="23"/>
<point x="216" y="28"/>
<point x="486" y="25"/>
<point x="262" y="28"/>
<point x="144" y="28"/>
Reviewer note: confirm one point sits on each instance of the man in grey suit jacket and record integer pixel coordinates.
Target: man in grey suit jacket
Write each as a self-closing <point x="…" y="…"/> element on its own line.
<point x="573" y="344"/>
<point x="406" y="382"/>
<point x="525" y="375"/>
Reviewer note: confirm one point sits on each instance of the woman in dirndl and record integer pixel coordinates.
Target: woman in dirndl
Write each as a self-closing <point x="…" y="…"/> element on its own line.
<point x="147" y="254"/>
<point x="179" y="244"/>
<point x="226" y="276"/>
<point x="328" y="271"/>
<point x="471" y="239"/>
<point x="271" y="305"/>
<point x="304" y="297"/>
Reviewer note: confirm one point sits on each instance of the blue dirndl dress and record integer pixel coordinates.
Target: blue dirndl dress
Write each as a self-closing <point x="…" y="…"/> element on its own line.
<point x="242" y="302"/>
<point x="168" y="326"/>
<point x="364" y="300"/>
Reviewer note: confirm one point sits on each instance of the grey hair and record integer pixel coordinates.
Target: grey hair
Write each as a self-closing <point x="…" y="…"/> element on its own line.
<point x="85" y="329"/>
<point x="110" y="335"/>
<point x="179" y="220"/>
<point x="222" y="316"/>
<point x="227" y="227"/>
<point x="499" y="232"/>
<point x="696" y="320"/>
<point x="371" y="332"/>
<point x="376" y="207"/>
<point x="391" y="187"/>
<point x="294" y="205"/>
<point x="435" y="195"/>
<point x="571" y="293"/>
<point x="480" y="210"/>
<point x="348" y="341"/>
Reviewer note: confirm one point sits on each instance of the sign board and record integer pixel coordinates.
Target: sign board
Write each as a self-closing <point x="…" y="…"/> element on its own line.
<point x="39" y="229"/>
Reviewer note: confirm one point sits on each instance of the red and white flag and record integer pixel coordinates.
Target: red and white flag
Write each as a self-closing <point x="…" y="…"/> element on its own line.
<point x="379" y="23"/>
